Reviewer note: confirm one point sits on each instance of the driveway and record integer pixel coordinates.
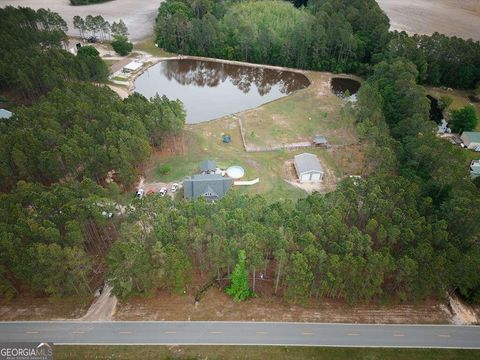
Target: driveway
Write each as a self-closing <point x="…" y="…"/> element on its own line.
<point x="138" y="15"/>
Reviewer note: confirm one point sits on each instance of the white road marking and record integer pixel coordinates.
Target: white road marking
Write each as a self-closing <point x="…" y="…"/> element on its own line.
<point x="398" y="335"/>
<point x="124" y="332"/>
<point x="216" y="332"/>
<point x="307" y="333"/>
<point x="170" y="332"/>
<point x="353" y="334"/>
<point x="261" y="333"/>
<point x="31" y="332"/>
<point x="78" y="332"/>
<point x="443" y="335"/>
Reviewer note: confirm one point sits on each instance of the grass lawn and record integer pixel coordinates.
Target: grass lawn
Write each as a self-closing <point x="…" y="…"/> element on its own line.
<point x="148" y="45"/>
<point x="299" y="116"/>
<point x="257" y="352"/>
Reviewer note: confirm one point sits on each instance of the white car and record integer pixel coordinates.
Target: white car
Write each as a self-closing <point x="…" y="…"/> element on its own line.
<point x="139" y="194"/>
<point x="163" y="191"/>
<point x="174" y="187"/>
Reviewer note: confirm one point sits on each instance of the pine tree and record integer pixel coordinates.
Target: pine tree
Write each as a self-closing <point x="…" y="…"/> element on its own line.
<point x="239" y="288"/>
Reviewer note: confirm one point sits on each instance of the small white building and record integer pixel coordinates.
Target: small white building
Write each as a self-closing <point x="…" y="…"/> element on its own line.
<point x="132" y="66"/>
<point x="308" y="168"/>
<point x="5" y="114"/>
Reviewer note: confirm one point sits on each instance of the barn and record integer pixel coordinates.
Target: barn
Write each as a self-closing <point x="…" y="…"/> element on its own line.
<point x="308" y="168"/>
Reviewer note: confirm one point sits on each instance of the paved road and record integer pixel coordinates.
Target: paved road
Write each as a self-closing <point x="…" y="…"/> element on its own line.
<point x="242" y="333"/>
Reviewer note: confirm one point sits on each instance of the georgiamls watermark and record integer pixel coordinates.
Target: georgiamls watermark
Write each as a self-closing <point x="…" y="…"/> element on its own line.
<point x="26" y="351"/>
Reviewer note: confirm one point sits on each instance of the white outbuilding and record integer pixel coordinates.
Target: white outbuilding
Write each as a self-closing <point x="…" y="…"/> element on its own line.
<point x="308" y="168"/>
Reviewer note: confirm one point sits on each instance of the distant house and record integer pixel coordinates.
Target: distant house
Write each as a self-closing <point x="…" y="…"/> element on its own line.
<point x="308" y="168"/>
<point x="208" y="166"/>
<point x="5" y="114"/>
<point x="319" y="140"/>
<point x="210" y="186"/>
<point x="471" y="139"/>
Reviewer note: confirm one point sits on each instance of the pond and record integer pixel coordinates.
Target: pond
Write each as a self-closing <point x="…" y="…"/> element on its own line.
<point x="210" y="90"/>
<point x="341" y="85"/>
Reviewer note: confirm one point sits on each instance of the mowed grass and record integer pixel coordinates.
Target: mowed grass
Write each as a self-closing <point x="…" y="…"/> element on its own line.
<point x="204" y="141"/>
<point x="148" y="45"/>
<point x="257" y="352"/>
<point x="301" y="115"/>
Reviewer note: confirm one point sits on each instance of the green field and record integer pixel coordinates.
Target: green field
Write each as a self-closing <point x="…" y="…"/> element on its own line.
<point x="257" y="352"/>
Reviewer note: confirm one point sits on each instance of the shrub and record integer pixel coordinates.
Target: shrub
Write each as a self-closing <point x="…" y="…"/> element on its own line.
<point x="164" y="169"/>
<point x="464" y="119"/>
<point x="121" y="45"/>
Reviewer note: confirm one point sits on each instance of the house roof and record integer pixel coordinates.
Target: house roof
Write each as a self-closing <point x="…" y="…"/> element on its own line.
<point x="473" y="136"/>
<point x="208" y="165"/>
<point x="307" y="162"/>
<point x="198" y="185"/>
<point x="5" y="114"/>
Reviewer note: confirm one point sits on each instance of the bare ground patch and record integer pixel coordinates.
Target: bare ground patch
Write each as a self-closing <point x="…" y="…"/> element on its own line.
<point x="216" y="305"/>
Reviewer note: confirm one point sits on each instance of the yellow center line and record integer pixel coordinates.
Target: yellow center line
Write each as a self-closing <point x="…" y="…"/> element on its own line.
<point x="215" y="332"/>
<point x="444" y="335"/>
<point x="353" y="334"/>
<point x="170" y="332"/>
<point x="307" y="333"/>
<point x="261" y="332"/>
<point x="124" y="332"/>
<point x="31" y="332"/>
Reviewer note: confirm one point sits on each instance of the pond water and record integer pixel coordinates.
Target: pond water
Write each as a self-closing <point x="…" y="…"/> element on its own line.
<point x="210" y="90"/>
<point x="341" y="85"/>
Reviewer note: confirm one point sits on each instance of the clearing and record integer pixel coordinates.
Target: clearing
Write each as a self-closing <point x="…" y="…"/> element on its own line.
<point x="451" y="17"/>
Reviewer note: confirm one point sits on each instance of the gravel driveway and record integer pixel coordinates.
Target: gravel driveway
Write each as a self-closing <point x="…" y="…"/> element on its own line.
<point x="138" y="15"/>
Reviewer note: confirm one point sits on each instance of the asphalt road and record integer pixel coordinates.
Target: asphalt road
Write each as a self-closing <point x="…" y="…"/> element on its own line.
<point x="241" y="333"/>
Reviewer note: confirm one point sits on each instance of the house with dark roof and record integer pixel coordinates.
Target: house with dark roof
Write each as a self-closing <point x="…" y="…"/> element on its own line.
<point x="308" y="168"/>
<point x="208" y="166"/>
<point x="210" y="186"/>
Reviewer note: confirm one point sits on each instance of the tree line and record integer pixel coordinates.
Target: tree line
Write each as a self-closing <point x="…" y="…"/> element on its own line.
<point x="33" y="59"/>
<point x="332" y="35"/>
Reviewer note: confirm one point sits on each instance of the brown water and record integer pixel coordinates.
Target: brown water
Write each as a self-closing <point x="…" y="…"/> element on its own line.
<point x="340" y="86"/>
<point x="210" y="90"/>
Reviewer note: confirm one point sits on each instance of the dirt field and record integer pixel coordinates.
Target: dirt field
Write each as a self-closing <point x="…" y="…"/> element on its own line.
<point x="451" y="17"/>
<point x="216" y="305"/>
<point x="138" y="15"/>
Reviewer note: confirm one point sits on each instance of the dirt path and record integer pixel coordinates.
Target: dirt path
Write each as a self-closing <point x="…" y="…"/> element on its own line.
<point x="103" y="308"/>
<point x="451" y="17"/>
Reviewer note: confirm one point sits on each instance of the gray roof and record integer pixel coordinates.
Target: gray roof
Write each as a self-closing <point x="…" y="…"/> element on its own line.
<point x="208" y="165"/>
<point x="5" y="114"/>
<point x="472" y="136"/>
<point x="319" y="139"/>
<point x="307" y="163"/>
<point x="211" y="186"/>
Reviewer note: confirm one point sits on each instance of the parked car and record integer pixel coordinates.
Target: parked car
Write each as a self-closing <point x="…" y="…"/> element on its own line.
<point x="139" y="193"/>
<point x="163" y="191"/>
<point x="92" y="39"/>
<point x="174" y="187"/>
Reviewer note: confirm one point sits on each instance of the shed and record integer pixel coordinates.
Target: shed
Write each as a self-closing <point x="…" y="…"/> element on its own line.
<point x="210" y="186"/>
<point x="132" y="66"/>
<point x="308" y="168"/>
<point x="319" y="140"/>
<point x="471" y="139"/>
<point x="208" y="166"/>
<point x="5" y="114"/>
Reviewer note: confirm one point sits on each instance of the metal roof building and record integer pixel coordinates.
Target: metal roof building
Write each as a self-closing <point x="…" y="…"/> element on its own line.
<point x="210" y="186"/>
<point x="308" y="168"/>
<point x="319" y="140"/>
<point x="471" y="139"/>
